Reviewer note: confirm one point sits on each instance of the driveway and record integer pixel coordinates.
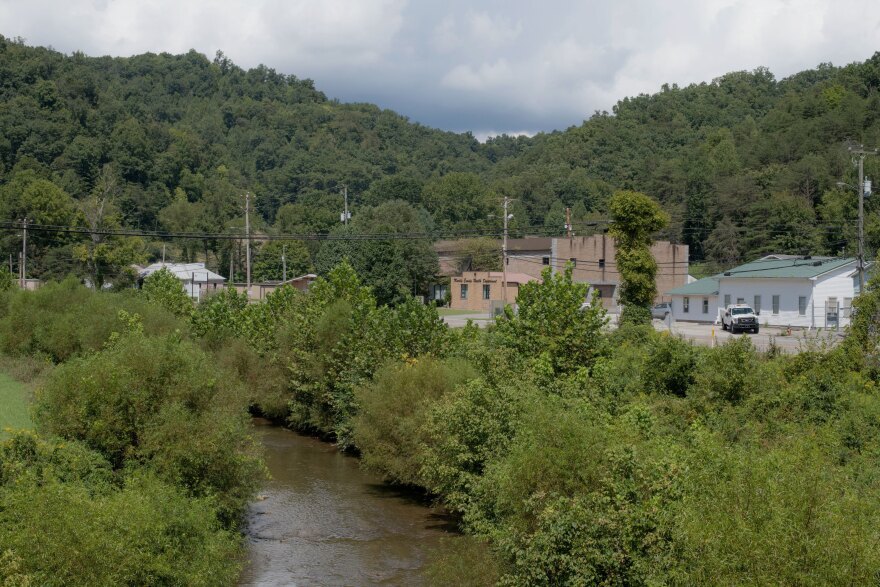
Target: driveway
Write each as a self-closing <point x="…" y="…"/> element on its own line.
<point x="710" y="334"/>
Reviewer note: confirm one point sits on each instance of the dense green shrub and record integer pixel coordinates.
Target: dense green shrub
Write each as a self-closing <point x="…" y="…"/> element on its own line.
<point x="553" y="323"/>
<point x="67" y="519"/>
<point x="788" y="515"/>
<point x="165" y="290"/>
<point x="61" y="320"/>
<point x="464" y="430"/>
<point x="669" y="365"/>
<point x="159" y="401"/>
<point x="579" y="499"/>
<point x="389" y="428"/>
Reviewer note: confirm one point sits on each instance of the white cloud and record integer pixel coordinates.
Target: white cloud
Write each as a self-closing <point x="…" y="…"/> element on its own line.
<point x="462" y="65"/>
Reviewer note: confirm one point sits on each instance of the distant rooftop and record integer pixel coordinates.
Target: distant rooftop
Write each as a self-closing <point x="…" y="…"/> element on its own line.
<point x="708" y="286"/>
<point x="787" y="266"/>
<point x="184" y="271"/>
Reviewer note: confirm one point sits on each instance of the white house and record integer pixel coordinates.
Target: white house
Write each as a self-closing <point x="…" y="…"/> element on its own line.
<point x="786" y="290"/>
<point x="196" y="279"/>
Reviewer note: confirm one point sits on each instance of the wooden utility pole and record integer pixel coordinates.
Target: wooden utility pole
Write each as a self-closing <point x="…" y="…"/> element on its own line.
<point x="283" y="263"/>
<point x="247" y="235"/>
<point x="861" y="152"/>
<point x="504" y="256"/>
<point x="568" y="222"/>
<point x="24" y="253"/>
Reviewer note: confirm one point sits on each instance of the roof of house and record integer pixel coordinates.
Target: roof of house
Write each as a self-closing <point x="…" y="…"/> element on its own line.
<point x="786" y="266"/>
<point x="184" y="271"/>
<point x="708" y="286"/>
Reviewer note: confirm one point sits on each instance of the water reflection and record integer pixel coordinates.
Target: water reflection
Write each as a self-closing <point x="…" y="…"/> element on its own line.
<point x="324" y="521"/>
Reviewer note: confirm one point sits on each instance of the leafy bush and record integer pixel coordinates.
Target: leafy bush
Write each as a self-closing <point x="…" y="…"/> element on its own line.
<point x="788" y="515"/>
<point x="552" y="323"/>
<point x="393" y="408"/>
<point x="67" y="519"/>
<point x="62" y="320"/>
<point x="165" y="290"/>
<point x="669" y="366"/>
<point x="157" y="400"/>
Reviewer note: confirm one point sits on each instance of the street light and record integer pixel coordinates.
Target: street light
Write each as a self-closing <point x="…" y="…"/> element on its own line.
<point x="863" y="186"/>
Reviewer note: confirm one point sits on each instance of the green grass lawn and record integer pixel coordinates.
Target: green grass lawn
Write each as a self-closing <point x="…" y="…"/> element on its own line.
<point x="14" y="404"/>
<point x="453" y="312"/>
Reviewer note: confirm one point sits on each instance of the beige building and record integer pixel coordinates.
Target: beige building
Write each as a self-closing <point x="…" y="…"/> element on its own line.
<point x="593" y="260"/>
<point x="480" y="290"/>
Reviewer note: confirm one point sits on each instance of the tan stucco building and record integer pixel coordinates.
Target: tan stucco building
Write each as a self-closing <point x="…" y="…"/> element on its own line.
<point x="481" y="290"/>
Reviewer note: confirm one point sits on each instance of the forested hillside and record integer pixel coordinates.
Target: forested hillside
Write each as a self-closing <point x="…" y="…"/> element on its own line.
<point x="745" y="164"/>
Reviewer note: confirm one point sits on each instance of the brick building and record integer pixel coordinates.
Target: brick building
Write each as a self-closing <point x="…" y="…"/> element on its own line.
<point x="477" y="290"/>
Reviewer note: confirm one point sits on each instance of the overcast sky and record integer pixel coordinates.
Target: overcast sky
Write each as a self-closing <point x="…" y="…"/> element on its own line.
<point x="487" y="67"/>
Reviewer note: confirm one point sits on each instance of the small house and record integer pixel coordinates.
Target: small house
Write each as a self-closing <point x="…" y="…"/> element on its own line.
<point x="480" y="291"/>
<point x="197" y="281"/>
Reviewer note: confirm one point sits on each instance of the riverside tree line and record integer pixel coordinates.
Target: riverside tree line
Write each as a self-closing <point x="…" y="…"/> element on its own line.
<point x="571" y="454"/>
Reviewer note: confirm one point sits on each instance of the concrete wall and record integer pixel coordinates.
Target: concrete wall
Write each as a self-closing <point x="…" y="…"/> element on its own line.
<point x="474" y="282"/>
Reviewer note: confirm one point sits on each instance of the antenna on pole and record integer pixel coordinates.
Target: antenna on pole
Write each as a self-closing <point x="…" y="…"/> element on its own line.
<point x="346" y="215"/>
<point x="247" y="234"/>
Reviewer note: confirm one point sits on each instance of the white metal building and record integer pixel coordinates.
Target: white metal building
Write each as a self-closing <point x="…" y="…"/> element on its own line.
<point x="196" y="279"/>
<point x="808" y="292"/>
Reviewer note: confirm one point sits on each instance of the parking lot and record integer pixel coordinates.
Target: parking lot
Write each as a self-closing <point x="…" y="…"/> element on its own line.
<point x="700" y="333"/>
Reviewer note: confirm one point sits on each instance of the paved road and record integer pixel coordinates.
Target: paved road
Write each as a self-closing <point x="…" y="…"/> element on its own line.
<point x="699" y="333"/>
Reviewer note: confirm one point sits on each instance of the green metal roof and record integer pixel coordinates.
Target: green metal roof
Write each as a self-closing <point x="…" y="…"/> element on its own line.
<point x="787" y="267"/>
<point x="708" y="286"/>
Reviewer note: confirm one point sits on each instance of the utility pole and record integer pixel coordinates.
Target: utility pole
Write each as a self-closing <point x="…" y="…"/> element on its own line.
<point x="247" y="235"/>
<point x="163" y="253"/>
<point x="283" y="263"/>
<point x="504" y="256"/>
<point x="24" y="253"/>
<point x="861" y="152"/>
<point x="345" y="214"/>
<point x="568" y="222"/>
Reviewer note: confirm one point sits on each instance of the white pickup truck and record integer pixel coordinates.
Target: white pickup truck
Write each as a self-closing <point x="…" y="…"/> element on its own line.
<point x="738" y="318"/>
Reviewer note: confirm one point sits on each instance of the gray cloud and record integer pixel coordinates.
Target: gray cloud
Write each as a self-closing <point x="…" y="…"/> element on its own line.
<point x="486" y="67"/>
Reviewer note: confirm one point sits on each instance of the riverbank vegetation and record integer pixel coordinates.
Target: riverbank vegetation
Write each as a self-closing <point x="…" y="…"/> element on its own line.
<point x="578" y="455"/>
<point x="571" y="454"/>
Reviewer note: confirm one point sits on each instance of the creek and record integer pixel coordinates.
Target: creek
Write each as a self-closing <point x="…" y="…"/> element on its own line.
<point x="322" y="520"/>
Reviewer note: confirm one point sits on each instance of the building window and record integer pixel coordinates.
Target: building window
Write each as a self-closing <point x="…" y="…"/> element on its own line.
<point x="775" y="305"/>
<point x="574" y="262"/>
<point x="686" y="304"/>
<point x="705" y="305"/>
<point x="726" y="300"/>
<point x="545" y="260"/>
<point x="846" y="310"/>
<point x="464" y="288"/>
<point x="757" y="306"/>
<point x="740" y="300"/>
<point x="601" y="263"/>
<point x="802" y="305"/>
<point x="487" y="290"/>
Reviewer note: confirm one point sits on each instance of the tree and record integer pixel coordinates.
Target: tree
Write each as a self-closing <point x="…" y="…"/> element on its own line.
<point x="457" y="200"/>
<point x="395" y="268"/>
<point x="635" y="218"/>
<point x="268" y="264"/>
<point x="164" y="289"/>
<point x="723" y="245"/>
<point x="105" y="255"/>
<point x="479" y="254"/>
<point x="553" y="324"/>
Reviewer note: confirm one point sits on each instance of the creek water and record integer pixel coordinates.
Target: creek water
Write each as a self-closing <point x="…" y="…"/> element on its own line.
<point x="322" y="520"/>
